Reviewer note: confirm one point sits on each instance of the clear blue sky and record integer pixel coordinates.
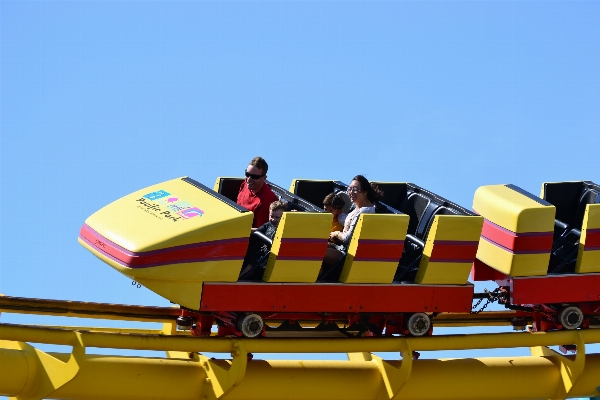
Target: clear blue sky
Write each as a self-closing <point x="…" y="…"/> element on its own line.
<point x="101" y="98"/>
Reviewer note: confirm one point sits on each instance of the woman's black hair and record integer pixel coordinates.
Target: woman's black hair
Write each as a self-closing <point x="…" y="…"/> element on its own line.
<point x="372" y="191"/>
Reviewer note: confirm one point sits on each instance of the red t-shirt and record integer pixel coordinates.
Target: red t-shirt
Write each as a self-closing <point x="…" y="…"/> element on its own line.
<point x="257" y="203"/>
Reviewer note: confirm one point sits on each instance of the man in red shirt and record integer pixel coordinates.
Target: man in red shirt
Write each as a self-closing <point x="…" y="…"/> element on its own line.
<point x="255" y="194"/>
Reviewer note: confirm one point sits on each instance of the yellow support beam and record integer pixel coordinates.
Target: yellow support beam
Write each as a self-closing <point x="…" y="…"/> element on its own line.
<point x="362" y="377"/>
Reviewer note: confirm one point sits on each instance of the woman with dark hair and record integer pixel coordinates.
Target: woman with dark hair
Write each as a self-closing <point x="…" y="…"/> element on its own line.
<point x="363" y="195"/>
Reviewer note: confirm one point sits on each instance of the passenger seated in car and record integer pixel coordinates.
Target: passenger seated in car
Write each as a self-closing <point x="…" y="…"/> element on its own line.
<point x="255" y="194"/>
<point x="334" y="204"/>
<point x="363" y="195"/>
<point x="256" y="248"/>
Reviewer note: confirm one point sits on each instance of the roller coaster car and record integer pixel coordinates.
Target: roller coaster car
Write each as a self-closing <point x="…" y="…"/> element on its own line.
<point x="408" y="261"/>
<point x="187" y="243"/>
<point x="544" y="252"/>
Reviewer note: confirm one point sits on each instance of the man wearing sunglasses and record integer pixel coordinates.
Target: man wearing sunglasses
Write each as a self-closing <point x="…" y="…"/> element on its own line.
<point x="255" y="194"/>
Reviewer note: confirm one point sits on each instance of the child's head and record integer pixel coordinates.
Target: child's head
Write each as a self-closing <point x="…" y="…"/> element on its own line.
<point x="334" y="204"/>
<point x="276" y="210"/>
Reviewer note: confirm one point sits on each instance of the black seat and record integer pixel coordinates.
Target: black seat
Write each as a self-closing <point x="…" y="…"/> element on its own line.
<point x="259" y="247"/>
<point x="570" y="200"/>
<point x="414" y="206"/>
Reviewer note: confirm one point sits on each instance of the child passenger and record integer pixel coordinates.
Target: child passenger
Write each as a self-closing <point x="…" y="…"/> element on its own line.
<point x="334" y="204"/>
<point x="268" y="229"/>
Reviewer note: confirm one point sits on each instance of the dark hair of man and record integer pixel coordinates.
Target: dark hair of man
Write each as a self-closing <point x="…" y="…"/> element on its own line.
<point x="334" y="201"/>
<point x="277" y="205"/>
<point x="260" y="163"/>
<point x="372" y="191"/>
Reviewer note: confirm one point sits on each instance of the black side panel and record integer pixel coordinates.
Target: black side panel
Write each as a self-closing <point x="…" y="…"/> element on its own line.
<point x="214" y="194"/>
<point x="314" y="192"/>
<point x="565" y="197"/>
<point x="230" y="187"/>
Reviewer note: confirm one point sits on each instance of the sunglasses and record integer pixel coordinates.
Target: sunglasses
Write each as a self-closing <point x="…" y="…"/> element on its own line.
<point x="353" y="190"/>
<point x="253" y="176"/>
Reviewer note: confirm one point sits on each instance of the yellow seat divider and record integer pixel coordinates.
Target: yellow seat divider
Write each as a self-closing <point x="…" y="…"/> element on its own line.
<point x="298" y="248"/>
<point x="588" y="258"/>
<point x="375" y="248"/>
<point x="518" y="229"/>
<point x="450" y="250"/>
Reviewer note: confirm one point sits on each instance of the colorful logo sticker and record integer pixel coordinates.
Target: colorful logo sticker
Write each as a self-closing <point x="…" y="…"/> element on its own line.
<point x="176" y="208"/>
<point x="191" y="212"/>
<point x="179" y="206"/>
<point x="156" y="195"/>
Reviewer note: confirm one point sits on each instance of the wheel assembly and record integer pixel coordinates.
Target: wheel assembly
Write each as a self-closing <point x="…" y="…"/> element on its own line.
<point x="570" y="317"/>
<point x="418" y="324"/>
<point x="251" y="325"/>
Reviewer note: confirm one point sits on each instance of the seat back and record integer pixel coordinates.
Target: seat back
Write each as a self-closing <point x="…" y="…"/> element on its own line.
<point x="394" y="193"/>
<point x="294" y="202"/>
<point x="450" y="249"/>
<point x="415" y="206"/>
<point x="298" y="247"/>
<point x="375" y="248"/>
<point x="228" y="186"/>
<point x="313" y="191"/>
<point x="516" y="238"/>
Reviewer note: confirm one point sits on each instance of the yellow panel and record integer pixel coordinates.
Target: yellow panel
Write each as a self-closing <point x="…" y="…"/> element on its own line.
<point x="373" y="227"/>
<point x="513" y="264"/>
<point x="303" y="225"/>
<point x="381" y="227"/>
<point x="291" y="270"/>
<point x="588" y="260"/>
<point x="179" y="283"/>
<point x="512" y="210"/>
<point x="443" y="273"/>
<point x="297" y="225"/>
<point x="591" y="219"/>
<point x="207" y="271"/>
<point x="456" y="227"/>
<point x="139" y="224"/>
<point x="185" y="293"/>
<point x="368" y="271"/>
<point x="446" y="228"/>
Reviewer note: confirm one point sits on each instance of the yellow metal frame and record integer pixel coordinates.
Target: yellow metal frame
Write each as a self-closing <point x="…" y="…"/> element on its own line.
<point x="27" y="373"/>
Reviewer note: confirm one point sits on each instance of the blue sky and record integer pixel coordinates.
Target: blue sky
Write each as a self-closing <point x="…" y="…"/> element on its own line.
<point x="102" y="98"/>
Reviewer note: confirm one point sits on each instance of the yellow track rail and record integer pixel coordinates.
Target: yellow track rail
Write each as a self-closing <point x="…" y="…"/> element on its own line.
<point x="22" y="305"/>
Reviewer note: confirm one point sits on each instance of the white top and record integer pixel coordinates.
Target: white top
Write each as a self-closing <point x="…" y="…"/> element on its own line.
<point x="350" y="223"/>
